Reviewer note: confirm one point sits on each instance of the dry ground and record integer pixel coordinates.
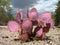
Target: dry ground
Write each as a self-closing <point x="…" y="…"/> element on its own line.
<point x="7" y="38"/>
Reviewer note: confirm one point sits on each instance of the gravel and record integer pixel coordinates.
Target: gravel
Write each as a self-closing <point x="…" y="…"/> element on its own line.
<point x="7" y="38"/>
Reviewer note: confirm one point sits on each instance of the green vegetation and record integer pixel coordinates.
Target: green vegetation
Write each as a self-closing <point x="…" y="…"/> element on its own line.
<point x="57" y="15"/>
<point x="5" y="12"/>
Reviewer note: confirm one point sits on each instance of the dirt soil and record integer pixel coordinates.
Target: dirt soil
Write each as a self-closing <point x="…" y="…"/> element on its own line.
<point x="11" y="38"/>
